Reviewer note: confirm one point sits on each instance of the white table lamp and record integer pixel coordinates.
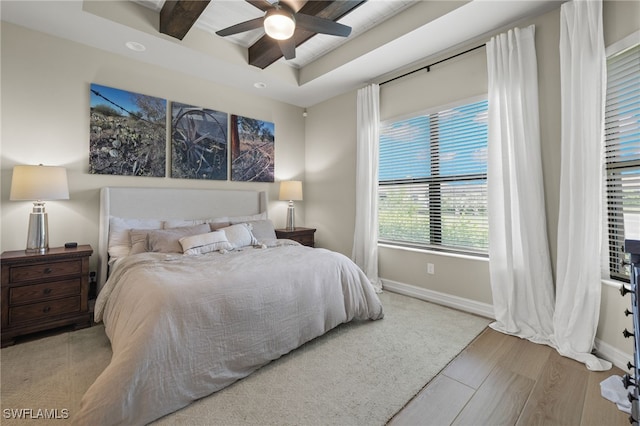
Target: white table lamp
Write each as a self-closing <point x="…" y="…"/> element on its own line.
<point x="290" y="190"/>
<point x="39" y="184"/>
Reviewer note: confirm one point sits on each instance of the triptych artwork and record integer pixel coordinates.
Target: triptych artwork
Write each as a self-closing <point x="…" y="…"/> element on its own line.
<point x="128" y="136"/>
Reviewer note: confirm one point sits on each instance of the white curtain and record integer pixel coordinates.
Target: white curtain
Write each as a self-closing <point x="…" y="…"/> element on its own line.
<point x="583" y="88"/>
<point x="365" y="238"/>
<point x="520" y="268"/>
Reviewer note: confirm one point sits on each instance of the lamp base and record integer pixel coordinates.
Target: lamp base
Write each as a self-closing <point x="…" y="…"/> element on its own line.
<point x="38" y="234"/>
<point x="291" y="214"/>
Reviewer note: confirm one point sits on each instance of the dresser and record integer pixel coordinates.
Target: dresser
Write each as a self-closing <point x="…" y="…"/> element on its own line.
<point x="304" y="236"/>
<point x="44" y="291"/>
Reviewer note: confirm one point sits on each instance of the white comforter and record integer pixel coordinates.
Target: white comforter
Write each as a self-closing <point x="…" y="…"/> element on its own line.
<point x="182" y="327"/>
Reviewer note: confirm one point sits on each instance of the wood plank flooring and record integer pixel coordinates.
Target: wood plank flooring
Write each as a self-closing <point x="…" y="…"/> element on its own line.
<point x="503" y="380"/>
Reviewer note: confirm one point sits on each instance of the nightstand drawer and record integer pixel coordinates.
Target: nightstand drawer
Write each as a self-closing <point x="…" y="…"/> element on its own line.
<point x="37" y="292"/>
<point x="304" y="236"/>
<point x="305" y="240"/>
<point x="45" y="270"/>
<point x="42" y="310"/>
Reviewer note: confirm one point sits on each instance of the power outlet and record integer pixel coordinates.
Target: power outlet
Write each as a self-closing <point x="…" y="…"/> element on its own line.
<point x="431" y="269"/>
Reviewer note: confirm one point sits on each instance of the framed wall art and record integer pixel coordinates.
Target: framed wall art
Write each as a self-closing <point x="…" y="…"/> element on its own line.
<point x="198" y="142"/>
<point x="252" y="150"/>
<point x="127" y="133"/>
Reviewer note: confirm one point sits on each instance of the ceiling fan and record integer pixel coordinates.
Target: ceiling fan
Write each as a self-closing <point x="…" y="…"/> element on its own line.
<point x="280" y="23"/>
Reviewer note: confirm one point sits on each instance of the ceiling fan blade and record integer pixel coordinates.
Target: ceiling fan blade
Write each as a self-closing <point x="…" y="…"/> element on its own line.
<point x="241" y="27"/>
<point x="321" y="25"/>
<point x="288" y="48"/>
<point x="263" y="5"/>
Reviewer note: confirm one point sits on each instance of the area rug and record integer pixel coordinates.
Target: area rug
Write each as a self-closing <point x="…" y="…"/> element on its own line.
<point x="360" y="373"/>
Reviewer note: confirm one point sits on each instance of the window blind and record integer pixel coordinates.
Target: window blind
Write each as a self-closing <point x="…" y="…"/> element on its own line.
<point x="622" y="154"/>
<point x="433" y="179"/>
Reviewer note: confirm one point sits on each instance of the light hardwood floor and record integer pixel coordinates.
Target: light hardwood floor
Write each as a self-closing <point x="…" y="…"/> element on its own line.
<point x="503" y="380"/>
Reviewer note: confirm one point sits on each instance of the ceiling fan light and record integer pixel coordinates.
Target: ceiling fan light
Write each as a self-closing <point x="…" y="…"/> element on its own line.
<point x="279" y="24"/>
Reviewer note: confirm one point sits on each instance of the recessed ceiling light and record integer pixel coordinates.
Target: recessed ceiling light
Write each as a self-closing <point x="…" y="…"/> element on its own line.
<point x="259" y="85"/>
<point x="135" y="46"/>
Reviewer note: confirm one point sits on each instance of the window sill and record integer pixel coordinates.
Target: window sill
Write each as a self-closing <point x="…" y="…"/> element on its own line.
<point x="435" y="252"/>
<point x="611" y="283"/>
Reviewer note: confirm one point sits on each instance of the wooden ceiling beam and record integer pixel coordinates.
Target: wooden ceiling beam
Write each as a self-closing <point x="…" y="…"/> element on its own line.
<point x="266" y="51"/>
<point x="178" y="16"/>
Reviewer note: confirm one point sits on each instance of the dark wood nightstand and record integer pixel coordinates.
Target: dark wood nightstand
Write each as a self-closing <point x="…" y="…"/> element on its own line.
<point x="302" y="235"/>
<point x="44" y="291"/>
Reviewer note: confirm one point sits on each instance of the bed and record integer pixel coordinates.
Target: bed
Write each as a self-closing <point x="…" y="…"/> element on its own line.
<point x="196" y="293"/>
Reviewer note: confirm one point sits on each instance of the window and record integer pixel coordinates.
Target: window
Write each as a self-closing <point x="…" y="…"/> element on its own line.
<point x="432" y="185"/>
<point x="622" y="154"/>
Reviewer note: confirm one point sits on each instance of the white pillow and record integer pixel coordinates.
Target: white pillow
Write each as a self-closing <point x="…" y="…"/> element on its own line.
<point x="240" y="235"/>
<point x="205" y="243"/>
<point x="241" y="219"/>
<point x="220" y="222"/>
<point x="119" y="240"/>
<point x="181" y="223"/>
<point x="263" y="230"/>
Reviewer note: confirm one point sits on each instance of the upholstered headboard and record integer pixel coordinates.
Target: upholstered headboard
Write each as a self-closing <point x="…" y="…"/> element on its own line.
<point x="170" y="203"/>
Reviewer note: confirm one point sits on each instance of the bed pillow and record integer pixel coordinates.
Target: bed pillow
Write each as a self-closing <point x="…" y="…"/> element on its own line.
<point x="205" y="243"/>
<point x="218" y="225"/>
<point x="168" y="240"/>
<point x="263" y="230"/>
<point x="119" y="241"/>
<point x="139" y="240"/>
<point x="242" y="219"/>
<point x="181" y="223"/>
<point x="215" y="223"/>
<point x="240" y="235"/>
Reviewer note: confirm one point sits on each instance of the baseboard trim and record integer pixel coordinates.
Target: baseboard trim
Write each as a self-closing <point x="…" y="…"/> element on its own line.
<point x="603" y="350"/>
<point x="466" y="305"/>
<point x="612" y="354"/>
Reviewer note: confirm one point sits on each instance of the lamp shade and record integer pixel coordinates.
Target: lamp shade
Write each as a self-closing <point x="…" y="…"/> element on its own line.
<point x="279" y="24"/>
<point x="39" y="183"/>
<point x="290" y="190"/>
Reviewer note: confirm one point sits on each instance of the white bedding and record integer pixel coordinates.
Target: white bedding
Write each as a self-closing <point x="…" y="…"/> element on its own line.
<point x="182" y="327"/>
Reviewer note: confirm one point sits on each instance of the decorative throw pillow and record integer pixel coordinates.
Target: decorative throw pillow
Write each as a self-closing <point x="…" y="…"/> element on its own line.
<point x="205" y="243"/>
<point x="215" y="225"/>
<point x="263" y="229"/>
<point x="240" y="235"/>
<point x="119" y="240"/>
<point x="168" y="240"/>
<point x="139" y="240"/>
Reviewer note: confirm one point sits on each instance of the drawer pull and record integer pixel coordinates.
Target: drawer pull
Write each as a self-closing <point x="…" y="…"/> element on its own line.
<point x="46" y="309"/>
<point x="47" y="291"/>
<point x="47" y="270"/>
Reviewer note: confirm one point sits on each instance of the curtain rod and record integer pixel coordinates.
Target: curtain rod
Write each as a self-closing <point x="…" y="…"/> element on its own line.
<point x="428" y="67"/>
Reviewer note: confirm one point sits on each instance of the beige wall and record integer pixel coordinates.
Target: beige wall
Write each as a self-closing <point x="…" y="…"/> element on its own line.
<point x="330" y="138"/>
<point x="45" y="119"/>
<point x="330" y="170"/>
